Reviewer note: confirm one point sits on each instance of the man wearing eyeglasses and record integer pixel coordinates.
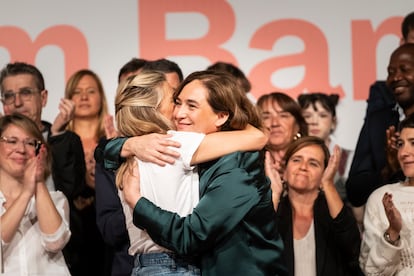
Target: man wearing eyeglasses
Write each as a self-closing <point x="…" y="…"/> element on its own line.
<point x="23" y="91"/>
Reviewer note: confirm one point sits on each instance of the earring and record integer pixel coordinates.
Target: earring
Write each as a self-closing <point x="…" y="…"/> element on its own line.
<point x="297" y="136"/>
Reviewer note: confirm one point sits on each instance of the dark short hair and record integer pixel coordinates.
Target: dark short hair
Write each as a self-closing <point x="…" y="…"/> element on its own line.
<point x="165" y="66"/>
<point x="234" y="71"/>
<point x="408" y="122"/>
<point x="329" y="102"/>
<point x="407" y="25"/>
<point x="19" y="68"/>
<point x="131" y="66"/>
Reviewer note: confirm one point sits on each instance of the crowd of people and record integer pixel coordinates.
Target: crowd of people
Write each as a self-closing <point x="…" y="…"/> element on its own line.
<point x="193" y="176"/>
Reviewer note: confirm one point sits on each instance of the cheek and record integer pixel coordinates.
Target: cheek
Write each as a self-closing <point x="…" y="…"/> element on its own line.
<point x="290" y="127"/>
<point x="8" y="109"/>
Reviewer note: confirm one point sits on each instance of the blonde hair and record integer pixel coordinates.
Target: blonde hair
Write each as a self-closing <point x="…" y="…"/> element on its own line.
<point x="136" y="109"/>
<point x="70" y="90"/>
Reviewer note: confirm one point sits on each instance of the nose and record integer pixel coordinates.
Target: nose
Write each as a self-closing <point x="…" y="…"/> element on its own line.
<point x="313" y="120"/>
<point x="20" y="147"/>
<point x="404" y="151"/>
<point x="84" y="95"/>
<point x="17" y="100"/>
<point x="275" y="120"/>
<point x="303" y="166"/>
<point x="179" y="112"/>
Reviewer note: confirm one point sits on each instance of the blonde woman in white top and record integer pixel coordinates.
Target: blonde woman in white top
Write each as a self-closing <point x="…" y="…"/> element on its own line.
<point x="34" y="221"/>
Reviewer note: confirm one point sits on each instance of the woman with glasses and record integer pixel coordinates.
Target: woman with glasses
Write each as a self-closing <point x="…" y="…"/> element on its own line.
<point x="34" y="222"/>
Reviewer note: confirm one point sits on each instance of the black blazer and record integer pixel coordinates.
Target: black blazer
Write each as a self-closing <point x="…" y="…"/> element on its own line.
<point x="369" y="156"/>
<point x="337" y="241"/>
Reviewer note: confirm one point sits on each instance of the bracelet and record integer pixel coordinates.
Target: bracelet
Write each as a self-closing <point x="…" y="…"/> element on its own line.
<point x="387" y="237"/>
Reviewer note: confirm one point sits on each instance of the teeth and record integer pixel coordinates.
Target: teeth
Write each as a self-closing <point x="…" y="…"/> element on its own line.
<point x="399" y="89"/>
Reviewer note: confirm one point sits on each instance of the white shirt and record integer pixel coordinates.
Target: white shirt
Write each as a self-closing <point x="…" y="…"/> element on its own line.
<point x="305" y="254"/>
<point x="378" y="257"/>
<point x="27" y="253"/>
<point x="173" y="187"/>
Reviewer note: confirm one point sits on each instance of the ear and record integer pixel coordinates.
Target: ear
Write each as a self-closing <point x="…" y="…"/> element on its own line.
<point x="402" y="41"/>
<point x="334" y="122"/>
<point x="43" y="97"/>
<point x="222" y="118"/>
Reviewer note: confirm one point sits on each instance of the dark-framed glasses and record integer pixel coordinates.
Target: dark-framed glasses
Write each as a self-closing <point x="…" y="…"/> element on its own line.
<point x="25" y="94"/>
<point x="30" y="144"/>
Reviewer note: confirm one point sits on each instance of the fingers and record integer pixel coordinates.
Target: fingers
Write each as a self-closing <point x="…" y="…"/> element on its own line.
<point x="66" y="108"/>
<point x="387" y="202"/>
<point x="110" y="130"/>
<point x="155" y="148"/>
<point x="392" y="137"/>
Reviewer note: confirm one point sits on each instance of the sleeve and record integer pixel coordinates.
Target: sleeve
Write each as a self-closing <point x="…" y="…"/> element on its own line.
<point x="190" y="141"/>
<point x="56" y="241"/>
<point x="369" y="156"/>
<point x="110" y="218"/>
<point x="377" y="257"/>
<point x="68" y="166"/>
<point x="347" y="237"/>
<point x="228" y="198"/>
<point x="108" y="153"/>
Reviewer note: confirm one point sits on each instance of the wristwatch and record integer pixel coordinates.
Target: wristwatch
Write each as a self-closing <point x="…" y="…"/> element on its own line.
<point x="387" y="237"/>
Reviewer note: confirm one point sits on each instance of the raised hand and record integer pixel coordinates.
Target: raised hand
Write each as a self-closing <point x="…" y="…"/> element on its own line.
<point x="30" y="176"/>
<point x="66" y="113"/>
<point x="393" y="216"/>
<point x="272" y="172"/>
<point x="110" y="130"/>
<point x="331" y="169"/>
<point x="41" y="164"/>
<point x="392" y="150"/>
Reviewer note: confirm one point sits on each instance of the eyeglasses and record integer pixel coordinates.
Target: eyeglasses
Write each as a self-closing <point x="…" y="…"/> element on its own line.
<point x="31" y="144"/>
<point x="25" y="94"/>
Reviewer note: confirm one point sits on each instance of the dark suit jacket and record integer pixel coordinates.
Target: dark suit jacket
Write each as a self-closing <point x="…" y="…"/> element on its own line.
<point x="110" y="220"/>
<point x="232" y="228"/>
<point x="337" y="241"/>
<point x="370" y="157"/>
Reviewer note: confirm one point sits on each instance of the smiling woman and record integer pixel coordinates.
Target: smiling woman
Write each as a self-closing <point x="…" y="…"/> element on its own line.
<point x="85" y="89"/>
<point x="34" y="221"/>
<point x="387" y="246"/>
<point x="283" y="121"/>
<point x="311" y="214"/>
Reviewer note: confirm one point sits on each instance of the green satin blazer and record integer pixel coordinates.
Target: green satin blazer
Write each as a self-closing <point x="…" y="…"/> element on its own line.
<point x="232" y="229"/>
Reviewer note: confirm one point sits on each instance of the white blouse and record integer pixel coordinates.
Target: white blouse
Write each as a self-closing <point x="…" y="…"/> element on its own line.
<point x="305" y="254"/>
<point x="32" y="252"/>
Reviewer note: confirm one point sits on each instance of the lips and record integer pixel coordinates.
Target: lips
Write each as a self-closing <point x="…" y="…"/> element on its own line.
<point x="84" y="106"/>
<point x="182" y="126"/>
<point x="314" y="131"/>
<point x="276" y="132"/>
<point x="399" y="87"/>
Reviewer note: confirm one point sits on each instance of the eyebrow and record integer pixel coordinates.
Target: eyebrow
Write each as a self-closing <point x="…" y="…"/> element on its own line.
<point x="310" y="159"/>
<point x="190" y="101"/>
<point x="20" y="89"/>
